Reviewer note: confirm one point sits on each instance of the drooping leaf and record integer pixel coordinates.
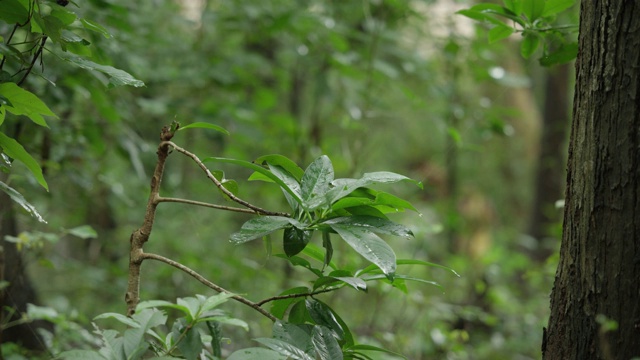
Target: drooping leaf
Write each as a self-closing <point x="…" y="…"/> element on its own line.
<point x="204" y="125"/>
<point x="215" y="331"/>
<point x="259" y="227"/>
<point x="294" y="240"/>
<point x="564" y="54"/>
<point x="500" y="32"/>
<point x="373" y="224"/>
<point x="298" y="335"/>
<point x="325" y="343"/>
<point x="14" y="12"/>
<point x="14" y="150"/>
<point x="369" y="245"/>
<point x="93" y="26"/>
<point x="529" y="45"/>
<point x="191" y="344"/>
<point x="25" y="103"/>
<point x="322" y="314"/>
<point x="83" y="232"/>
<point x="343" y="187"/>
<point x="259" y="169"/>
<point x="20" y="200"/>
<point x="117" y="77"/>
<point x="315" y="252"/>
<point x="514" y="6"/>
<point x="328" y="248"/>
<point x="315" y="182"/>
<point x="299" y="261"/>
<point x="256" y="353"/>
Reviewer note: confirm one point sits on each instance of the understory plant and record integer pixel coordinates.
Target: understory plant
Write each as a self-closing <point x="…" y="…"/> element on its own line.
<point x="339" y="209"/>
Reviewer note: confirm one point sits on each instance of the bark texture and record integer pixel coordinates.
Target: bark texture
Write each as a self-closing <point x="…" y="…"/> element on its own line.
<point x="598" y="278"/>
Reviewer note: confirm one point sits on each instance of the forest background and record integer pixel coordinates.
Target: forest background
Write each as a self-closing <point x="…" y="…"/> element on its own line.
<point x="409" y="87"/>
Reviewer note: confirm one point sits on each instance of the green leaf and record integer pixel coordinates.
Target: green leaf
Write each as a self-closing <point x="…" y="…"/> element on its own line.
<point x="119" y="317"/>
<point x="259" y="169"/>
<point x="11" y="51"/>
<point x="326" y="345"/>
<point x="380" y="199"/>
<point x="83" y="232"/>
<point x="369" y="245"/>
<point x="95" y="27"/>
<point x="285" y="348"/>
<point x="344" y="187"/>
<point x="279" y="307"/>
<point x="322" y="314"/>
<point x="294" y="240"/>
<point x="256" y="353"/>
<point x="25" y="103"/>
<point x="514" y="6"/>
<point x="315" y="252"/>
<point x="215" y="331"/>
<point x="291" y="182"/>
<point x="328" y="248"/>
<point x="298" y="261"/>
<point x="14" y="12"/>
<point x="426" y="263"/>
<point x="282" y="161"/>
<point x="14" y="150"/>
<point x="315" y="182"/>
<point x="533" y="9"/>
<point x="552" y="7"/>
<point x="117" y="77"/>
<point x="373" y="224"/>
<point x="259" y="227"/>
<point x="564" y="54"/>
<point x="20" y="200"/>
<point x="214" y="301"/>
<point x="402" y="277"/>
<point x="191" y="345"/>
<point x="500" y="32"/>
<point x="529" y="44"/>
<point x="298" y="335"/>
<point x="204" y="125"/>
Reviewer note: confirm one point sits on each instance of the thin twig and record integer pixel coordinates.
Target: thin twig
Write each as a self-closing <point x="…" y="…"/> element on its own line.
<point x="208" y="283"/>
<point x="292" y="296"/>
<point x="200" y="203"/>
<point x="33" y="61"/>
<point x="244" y="203"/>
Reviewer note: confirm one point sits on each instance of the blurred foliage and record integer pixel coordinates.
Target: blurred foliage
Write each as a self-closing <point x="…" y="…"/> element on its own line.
<point x="408" y="87"/>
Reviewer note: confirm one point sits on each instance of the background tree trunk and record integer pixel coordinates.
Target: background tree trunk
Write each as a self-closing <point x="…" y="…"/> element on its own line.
<point x="599" y="271"/>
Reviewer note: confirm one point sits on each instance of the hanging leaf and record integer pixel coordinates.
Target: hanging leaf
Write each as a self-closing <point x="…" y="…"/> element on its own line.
<point x="298" y="335"/>
<point x="322" y="314"/>
<point x="282" y="161"/>
<point x="294" y="240"/>
<point x="529" y="45"/>
<point x="500" y="32"/>
<point x="328" y="248"/>
<point x="14" y="150"/>
<point x="20" y="200"/>
<point x="279" y="307"/>
<point x="25" y="103"/>
<point x="369" y="245"/>
<point x="326" y="345"/>
<point x="117" y="77"/>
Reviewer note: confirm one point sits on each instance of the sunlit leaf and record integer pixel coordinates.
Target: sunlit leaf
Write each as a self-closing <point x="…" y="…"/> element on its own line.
<point x="14" y="150"/>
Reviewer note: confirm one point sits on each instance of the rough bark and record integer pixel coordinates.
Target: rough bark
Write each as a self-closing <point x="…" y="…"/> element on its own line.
<point x="598" y="277"/>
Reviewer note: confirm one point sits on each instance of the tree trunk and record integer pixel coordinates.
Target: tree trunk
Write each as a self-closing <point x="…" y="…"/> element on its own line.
<point x="598" y="279"/>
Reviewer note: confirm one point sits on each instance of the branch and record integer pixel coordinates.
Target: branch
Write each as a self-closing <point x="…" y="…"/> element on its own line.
<point x="292" y="296"/>
<point x="256" y="210"/>
<point x="33" y="61"/>
<point x="141" y="235"/>
<point x="202" y="279"/>
<point x="200" y="203"/>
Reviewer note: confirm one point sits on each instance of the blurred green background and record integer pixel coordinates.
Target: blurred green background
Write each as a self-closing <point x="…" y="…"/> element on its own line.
<point x="402" y="86"/>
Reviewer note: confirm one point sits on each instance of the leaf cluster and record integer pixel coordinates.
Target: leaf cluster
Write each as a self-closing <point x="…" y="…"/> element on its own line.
<point x="535" y="20"/>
